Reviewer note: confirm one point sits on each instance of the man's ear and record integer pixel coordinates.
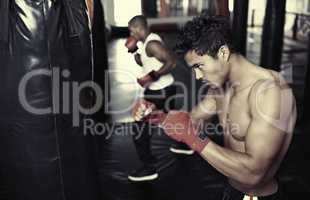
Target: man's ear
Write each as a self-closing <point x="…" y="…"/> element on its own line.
<point x="223" y="53"/>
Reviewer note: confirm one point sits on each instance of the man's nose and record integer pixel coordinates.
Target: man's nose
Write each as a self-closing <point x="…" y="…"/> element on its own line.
<point x="198" y="74"/>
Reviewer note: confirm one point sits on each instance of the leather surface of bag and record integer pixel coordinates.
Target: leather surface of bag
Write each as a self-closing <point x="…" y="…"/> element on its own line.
<point x="42" y="156"/>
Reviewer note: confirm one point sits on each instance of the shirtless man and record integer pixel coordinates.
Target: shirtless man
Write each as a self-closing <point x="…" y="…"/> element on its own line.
<point x="257" y="111"/>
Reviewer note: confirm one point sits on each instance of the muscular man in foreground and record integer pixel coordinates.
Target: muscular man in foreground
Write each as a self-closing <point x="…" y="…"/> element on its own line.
<point x="255" y="106"/>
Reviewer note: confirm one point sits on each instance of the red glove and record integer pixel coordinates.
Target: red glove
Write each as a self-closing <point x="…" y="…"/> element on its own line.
<point x="179" y="126"/>
<point x="146" y="80"/>
<point x="141" y="109"/>
<point x="131" y="44"/>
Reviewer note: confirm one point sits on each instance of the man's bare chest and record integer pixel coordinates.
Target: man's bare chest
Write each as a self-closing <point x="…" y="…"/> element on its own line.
<point x="235" y="115"/>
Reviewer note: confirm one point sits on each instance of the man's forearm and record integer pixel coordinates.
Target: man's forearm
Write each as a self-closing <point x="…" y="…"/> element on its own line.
<point x="234" y="165"/>
<point x="205" y="110"/>
<point x="166" y="68"/>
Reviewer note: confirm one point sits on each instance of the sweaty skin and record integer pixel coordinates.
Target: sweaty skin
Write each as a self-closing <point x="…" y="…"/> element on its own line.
<point x="258" y="117"/>
<point x="160" y="52"/>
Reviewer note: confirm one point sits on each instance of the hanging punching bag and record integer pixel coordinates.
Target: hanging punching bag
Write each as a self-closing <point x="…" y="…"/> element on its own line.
<point x="42" y="155"/>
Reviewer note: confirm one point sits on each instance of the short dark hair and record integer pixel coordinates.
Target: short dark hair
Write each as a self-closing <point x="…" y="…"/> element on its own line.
<point x="138" y="20"/>
<point x="205" y="34"/>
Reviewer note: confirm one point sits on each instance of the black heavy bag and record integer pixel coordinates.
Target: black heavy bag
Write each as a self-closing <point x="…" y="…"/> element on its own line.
<point x="42" y="156"/>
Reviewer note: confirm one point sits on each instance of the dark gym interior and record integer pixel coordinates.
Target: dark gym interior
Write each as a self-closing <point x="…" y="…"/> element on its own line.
<point x="274" y="34"/>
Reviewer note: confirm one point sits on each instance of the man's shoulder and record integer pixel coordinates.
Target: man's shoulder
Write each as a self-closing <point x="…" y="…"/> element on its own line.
<point x="154" y="37"/>
<point x="272" y="102"/>
<point x="270" y="91"/>
<point x="265" y="88"/>
<point x="269" y="79"/>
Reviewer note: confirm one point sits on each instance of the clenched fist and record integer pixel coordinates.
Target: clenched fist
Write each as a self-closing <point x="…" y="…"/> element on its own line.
<point x="142" y="109"/>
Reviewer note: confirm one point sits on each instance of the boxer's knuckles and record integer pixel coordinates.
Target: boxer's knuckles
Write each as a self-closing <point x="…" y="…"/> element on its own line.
<point x="176" y="124"/>
<point x="138" y="116"/>
<point x="141" y="109"/>
<point x="131" y="44"/>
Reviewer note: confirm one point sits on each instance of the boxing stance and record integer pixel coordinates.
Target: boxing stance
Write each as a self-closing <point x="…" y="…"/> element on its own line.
<point x="156" y="61"/>
<point x="255" y="106"/>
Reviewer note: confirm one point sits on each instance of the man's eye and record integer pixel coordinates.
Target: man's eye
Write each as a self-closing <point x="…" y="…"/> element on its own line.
<point x="197" y="66"/>
<point x="200" y="66"/>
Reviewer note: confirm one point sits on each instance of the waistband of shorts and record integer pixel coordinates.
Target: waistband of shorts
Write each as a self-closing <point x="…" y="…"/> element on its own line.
<point x="234" y="191"/>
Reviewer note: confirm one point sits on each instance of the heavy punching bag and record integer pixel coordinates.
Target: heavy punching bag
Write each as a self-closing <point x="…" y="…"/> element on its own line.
<point x="44" y="43"/>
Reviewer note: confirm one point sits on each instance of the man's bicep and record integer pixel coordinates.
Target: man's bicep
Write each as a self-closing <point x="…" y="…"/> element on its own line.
<point x="157" y="50"/>
<point x="264" y="137"/>
<point x="263" y="143"/>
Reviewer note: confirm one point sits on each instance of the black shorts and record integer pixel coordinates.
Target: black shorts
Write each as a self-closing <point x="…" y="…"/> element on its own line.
<point x="163" y="99"/>
<point x="231" y="193"/>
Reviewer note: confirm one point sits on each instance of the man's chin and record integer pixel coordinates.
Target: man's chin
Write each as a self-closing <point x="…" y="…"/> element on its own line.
<point x="212" y="85"/>
<point x="205" y="81"/>
<point x="215" y="86"/>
